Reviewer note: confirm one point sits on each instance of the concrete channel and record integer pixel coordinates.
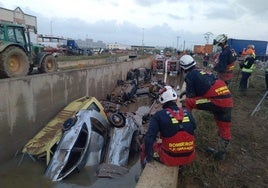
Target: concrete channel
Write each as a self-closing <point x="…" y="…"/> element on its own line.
<point x="28" y="103"/>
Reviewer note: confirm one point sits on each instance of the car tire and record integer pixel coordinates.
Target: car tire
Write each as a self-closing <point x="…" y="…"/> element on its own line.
<point x="117" y="120"/>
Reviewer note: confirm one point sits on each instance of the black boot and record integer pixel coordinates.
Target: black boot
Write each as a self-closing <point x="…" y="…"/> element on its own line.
<point x="222" y="148"/>
<point x="219" y="156"/>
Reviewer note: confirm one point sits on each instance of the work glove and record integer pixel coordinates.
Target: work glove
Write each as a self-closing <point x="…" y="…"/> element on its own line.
<point x="241" y="65"/>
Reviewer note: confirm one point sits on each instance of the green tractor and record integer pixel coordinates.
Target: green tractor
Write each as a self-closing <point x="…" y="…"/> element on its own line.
<point x="18" y="56"/>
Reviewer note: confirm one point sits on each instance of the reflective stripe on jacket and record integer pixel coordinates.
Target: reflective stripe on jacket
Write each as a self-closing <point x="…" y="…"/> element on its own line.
<point x="179" y="148"/>
<point x="218" y="94"/>
<point x="248" y="65"/>
<point x="168" y="126"/>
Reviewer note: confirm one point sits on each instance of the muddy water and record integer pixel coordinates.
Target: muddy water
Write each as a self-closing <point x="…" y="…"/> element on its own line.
<point x="30" y="174"/>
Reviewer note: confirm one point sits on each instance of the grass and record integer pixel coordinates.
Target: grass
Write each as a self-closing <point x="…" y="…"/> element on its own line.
<point x="246" y="164"/>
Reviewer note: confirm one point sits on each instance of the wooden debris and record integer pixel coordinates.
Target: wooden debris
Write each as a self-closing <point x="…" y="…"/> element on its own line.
<point x="111" y="171"/>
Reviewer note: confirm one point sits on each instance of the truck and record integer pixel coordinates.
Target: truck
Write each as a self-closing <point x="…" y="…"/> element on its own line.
<point x="239" y="44"/>
<point x="18" y="55"/>
<point x="72" y="48"/>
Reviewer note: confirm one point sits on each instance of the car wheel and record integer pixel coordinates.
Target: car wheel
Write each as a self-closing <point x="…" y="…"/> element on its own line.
<point x="117" y="120"/>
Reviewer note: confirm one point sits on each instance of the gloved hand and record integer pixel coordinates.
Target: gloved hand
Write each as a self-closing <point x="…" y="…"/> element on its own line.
<point x="241" y="65"/>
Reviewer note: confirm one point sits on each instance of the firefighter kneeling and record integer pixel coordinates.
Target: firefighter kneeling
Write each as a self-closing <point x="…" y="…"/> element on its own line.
<point x="176" y="126"/>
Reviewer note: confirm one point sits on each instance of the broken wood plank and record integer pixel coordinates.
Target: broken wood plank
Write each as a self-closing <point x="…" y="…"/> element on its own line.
<point x="111" y="171"/>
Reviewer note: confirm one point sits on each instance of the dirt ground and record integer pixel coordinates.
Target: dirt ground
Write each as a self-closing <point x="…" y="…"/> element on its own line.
<point x="246" y="164"/>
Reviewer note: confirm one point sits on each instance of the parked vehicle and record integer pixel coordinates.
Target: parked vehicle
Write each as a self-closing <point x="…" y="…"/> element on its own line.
<point x="18" y="56"/>
<point x="239" y="44"/>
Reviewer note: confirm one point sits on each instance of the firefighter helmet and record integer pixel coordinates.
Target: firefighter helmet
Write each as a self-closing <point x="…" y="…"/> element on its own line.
<point x="186" y="62"/>
<point x="222" y="38"/>
<point x="167" y="94"/>
<point x="251" y="46"/>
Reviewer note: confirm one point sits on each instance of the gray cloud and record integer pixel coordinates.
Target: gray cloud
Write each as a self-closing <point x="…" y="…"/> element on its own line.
<point x="221" y="13"/>
<point x="147" y="3"/>
<point x="111" y="32"/>
<point x="161" y="34"/>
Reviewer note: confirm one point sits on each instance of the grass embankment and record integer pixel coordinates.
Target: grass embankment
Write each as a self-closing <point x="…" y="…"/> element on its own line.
<point x="246" y="164"/>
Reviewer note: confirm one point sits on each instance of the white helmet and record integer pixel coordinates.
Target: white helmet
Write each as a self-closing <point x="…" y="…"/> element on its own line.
<point x="220" y="39"/>
<point x="186" y="62"/>
<point x="167" y="94"/>
<point x="251" y="46"/>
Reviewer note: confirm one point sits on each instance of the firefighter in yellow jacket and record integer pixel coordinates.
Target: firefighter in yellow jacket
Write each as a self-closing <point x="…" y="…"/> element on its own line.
<point x="247" y="68"/>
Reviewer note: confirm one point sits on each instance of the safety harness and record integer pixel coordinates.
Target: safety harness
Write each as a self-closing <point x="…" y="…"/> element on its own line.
<point x="178" y="116"/>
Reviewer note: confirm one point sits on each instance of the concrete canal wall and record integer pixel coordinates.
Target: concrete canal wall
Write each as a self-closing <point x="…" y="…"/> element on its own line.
<point x="28" y="103"/>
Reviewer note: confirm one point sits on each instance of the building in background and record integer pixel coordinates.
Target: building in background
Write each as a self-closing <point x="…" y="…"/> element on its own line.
<point x="17" y="16"/>
<point x="118" y="46"/>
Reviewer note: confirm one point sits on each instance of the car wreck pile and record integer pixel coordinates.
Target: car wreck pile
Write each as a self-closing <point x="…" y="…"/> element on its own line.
<point x="89" y="132"/>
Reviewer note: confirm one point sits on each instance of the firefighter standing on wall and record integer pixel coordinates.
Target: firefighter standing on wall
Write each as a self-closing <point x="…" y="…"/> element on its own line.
<point x="205" y="92"/>
<point x="247" y="68"/>
<point x="176" y="127"/>
<point x="227" y="58"/>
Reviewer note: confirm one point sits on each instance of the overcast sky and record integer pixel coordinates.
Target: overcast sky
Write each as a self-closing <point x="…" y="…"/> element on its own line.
<point x="166" y="23"/>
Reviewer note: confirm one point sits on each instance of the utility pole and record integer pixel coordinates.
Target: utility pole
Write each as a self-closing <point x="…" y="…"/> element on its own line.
<point x="178" y="38"/>
<point x="142" y="42"/>
<point x="207" y="35"/>
<point x="51" y="27"/>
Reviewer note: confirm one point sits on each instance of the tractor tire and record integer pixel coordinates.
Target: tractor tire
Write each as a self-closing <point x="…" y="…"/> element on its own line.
<point x="48" y="64"/>
<point x="13" y="62"/>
